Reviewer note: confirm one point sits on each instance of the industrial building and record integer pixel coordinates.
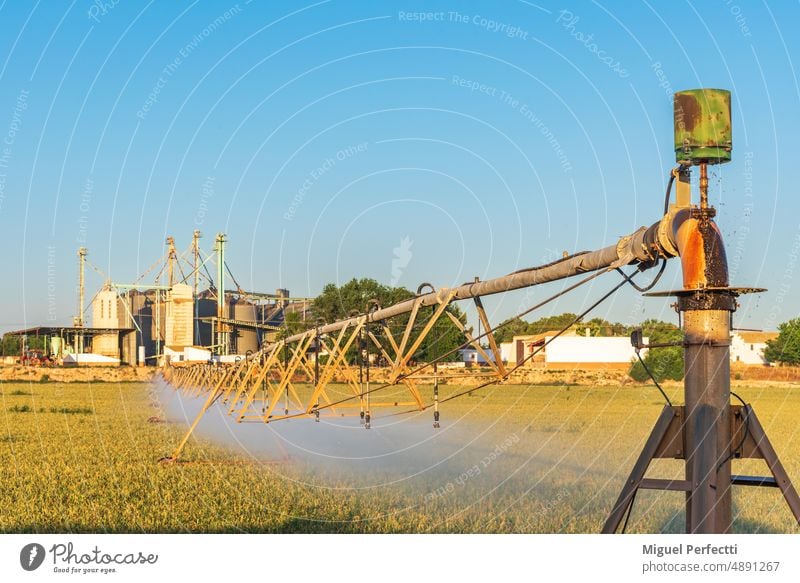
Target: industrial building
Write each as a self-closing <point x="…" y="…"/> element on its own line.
<point x="148" y="324"/>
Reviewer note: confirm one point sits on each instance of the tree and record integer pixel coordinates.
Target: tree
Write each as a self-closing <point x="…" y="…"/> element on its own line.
<point x="664" y="363"/>
<point x="510" y="328"/>
<point x="10" y="345"/>
<point x="785" y="349"/>
<point x="602" y="327"/>
<point x="293" y="324"/>
<point x="519" y="327"/>
<point x="338" y="302"/>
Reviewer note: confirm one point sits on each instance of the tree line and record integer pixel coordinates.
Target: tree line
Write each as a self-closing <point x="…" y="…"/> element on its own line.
<point x="339" y="302"/>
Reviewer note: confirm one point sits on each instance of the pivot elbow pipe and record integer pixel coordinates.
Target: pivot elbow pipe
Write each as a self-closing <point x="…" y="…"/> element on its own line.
<point x="699" y="244"/>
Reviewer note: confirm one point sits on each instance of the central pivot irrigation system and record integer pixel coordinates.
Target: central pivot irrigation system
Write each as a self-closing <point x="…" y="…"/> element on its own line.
<point x="707" y="431"/>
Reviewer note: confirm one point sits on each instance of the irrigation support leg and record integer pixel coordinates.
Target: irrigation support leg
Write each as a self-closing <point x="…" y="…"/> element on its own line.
<point x="768" y="454"/>
<point x="639" y="469"/>
<point x="498" y="358"/>
<point x="212" y="397"/>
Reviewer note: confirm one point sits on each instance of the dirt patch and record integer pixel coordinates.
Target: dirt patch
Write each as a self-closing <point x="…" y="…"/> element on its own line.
<point x="40" y="374"/>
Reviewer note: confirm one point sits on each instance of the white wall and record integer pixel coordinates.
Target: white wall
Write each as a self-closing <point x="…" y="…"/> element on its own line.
<point x="747" y="353"/>
<point x="104" y="309"/>
<point x="475" y="357"/>
<point x="508" y="352"/>
<point x="590" y="349"/>
<point x="104" y="315"/>
<point x="196" y="354"/>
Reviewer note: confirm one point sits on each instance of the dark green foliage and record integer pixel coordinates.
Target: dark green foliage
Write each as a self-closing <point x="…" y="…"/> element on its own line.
<point x="664" y="363"/>
<point x="785" y="349"/>
<point x="72" y="410"/>
<point x="338" y="302"/>
<point x="519" y="327"/>
<point x="63" y="410"/>
<point x="293" y="323"/>
<point x="10" y="345"/>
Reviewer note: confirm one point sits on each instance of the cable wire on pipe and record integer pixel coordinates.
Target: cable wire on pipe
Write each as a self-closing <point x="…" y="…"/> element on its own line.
<point x="527" y="358"/>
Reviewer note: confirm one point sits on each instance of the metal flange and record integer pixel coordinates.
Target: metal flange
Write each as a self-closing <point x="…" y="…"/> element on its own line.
<point x="707" y="298"/>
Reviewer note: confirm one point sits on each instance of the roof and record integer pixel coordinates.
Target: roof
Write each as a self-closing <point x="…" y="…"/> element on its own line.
<point x="54" y="330"/>
<point x="755" y="337"/>
<point x="241" y="323"/>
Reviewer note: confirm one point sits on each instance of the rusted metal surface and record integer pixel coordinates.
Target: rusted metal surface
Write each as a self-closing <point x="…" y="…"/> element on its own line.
<point x="671" y="445"/>
<point x="708" y="422"/>
<point x="706" y="304"/>
<point x="702" y="252"/>
<point x="703" y="126"/>
<point x="639" y="470"/>
<point x="704" y="186"/>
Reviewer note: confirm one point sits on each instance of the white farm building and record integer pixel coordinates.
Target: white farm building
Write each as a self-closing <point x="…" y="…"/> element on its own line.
<point x="573" y="351"/>
<point x="569" y="350"/>
<point x="747" y="346"/>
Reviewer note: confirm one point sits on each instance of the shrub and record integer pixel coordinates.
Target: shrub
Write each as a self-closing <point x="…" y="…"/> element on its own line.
<point x="664" y="363"/>
<point x="20" y="409"/>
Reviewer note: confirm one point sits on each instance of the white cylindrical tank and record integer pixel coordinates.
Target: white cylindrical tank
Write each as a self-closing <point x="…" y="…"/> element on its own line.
<point x="246" y="339"/>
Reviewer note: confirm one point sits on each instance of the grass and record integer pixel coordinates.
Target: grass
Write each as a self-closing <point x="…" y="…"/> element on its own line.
<point x="83" y="458"/>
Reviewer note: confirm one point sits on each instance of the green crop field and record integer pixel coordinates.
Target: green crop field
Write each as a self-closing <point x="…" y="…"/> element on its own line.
<point x="83" y="458"/>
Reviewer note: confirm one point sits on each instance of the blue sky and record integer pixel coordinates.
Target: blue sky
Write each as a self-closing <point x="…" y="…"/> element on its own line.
<point x="404" y="141"/>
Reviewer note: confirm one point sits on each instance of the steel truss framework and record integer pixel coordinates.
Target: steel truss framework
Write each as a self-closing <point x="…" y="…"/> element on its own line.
<point x="703" y="432"/>
<point x="264" y="387"/>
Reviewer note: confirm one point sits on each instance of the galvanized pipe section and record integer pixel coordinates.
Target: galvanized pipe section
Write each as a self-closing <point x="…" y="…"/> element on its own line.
<point x="641" y="246"/>
<point x="708" y="420"/>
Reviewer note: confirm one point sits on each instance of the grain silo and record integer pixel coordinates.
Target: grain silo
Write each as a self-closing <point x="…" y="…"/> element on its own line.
<point x="105" y="315"/>
<point x="206" y="308"/>
<point x="246" y="338"/>
<point x="178" y="331"/>
<point x="141" y="306"/>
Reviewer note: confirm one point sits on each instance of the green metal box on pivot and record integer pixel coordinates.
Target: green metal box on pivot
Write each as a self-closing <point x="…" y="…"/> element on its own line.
<point x="703" y="126"/>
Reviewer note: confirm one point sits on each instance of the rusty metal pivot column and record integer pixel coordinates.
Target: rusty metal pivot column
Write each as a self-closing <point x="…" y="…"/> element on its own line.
<point x="706" y="317"/>
<point x="702" y="137"/>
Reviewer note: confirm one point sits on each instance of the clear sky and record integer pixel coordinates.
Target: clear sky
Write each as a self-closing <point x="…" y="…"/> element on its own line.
<point x="405" y="141"/>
